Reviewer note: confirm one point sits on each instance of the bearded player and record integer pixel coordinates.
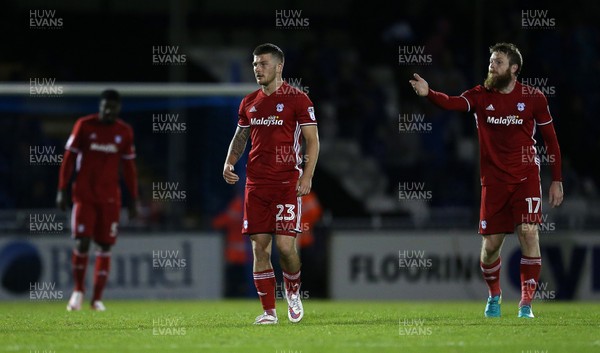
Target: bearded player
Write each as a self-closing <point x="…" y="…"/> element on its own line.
<point x="507" y="114"/>
<point x="276" y="117"/>
<point x="99" y="144"/>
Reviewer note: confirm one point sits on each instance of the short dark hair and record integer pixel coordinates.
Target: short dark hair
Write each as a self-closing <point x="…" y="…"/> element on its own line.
<point x="110" y="94"/>
<point x="511" y="51"/>
<point x="269" y="48"/>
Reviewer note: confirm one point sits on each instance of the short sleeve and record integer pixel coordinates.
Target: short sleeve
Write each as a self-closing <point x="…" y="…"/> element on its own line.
<point x="74" y="141"/>
<point x="305" y="111"/>
<point x="242" y="117"/>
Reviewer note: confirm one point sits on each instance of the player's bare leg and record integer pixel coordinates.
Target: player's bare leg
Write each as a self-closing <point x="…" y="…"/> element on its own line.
<point x="531" y="265"/>
<point x="261" y="249"/>
<point x="289" y="260"/>
<point x="264" y="277"/>
<point x="79" y="261"/>
<point x="491" y="263"/>
<point x="101" y="270"/>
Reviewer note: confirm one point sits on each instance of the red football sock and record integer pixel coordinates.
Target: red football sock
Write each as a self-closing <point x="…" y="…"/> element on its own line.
<point x="491" y="275"/>
<point x="292" y="281"/>
<point x="530" y="273"/>
<point x="101" y="274"/>
<point x="79" y="262"/>
<point x="265" y="286"/>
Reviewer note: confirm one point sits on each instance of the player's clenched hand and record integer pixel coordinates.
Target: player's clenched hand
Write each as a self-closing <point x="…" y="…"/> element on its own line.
<point x="228" y="174"/>
<point x="556" y="194"/>
<point x="419" y="85"/>
<point x="61" y="202"/>
<point x="303" y="185"/>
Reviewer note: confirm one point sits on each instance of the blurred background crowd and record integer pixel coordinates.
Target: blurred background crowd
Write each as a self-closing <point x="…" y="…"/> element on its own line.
<point x="345" y="55"/>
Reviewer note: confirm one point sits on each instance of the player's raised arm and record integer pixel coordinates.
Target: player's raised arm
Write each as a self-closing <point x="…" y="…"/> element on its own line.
<point x="236" y="149"/>
<point x="311" y="136"/>
<point x="442" y="100"/>
<point x="420" y="86"/>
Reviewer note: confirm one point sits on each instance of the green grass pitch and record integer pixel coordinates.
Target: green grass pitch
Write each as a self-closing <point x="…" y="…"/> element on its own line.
<point x="328" y="326"/>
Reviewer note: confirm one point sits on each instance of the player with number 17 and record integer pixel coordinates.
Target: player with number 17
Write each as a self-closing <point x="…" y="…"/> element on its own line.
<point x="507" y="114"/>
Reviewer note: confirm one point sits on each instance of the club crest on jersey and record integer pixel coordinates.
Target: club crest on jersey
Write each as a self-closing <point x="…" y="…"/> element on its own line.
<point x="118" y="139"/>
<point x="93" y="136"/>
<point x="520" y="106"/>
<point x="279" y="107"/>
<point x="272" y="120"/>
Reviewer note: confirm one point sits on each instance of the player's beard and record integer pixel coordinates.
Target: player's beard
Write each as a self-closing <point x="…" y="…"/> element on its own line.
<point x="497" y="82"/>
<point x="269" y="82"/>
<point x="266" y="82"/>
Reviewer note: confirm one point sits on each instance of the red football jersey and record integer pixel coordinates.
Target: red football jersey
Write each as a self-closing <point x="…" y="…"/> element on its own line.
<point x="506" y="126"/>
<point x="275" y="134"/>
<point x="99" y="148"/>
